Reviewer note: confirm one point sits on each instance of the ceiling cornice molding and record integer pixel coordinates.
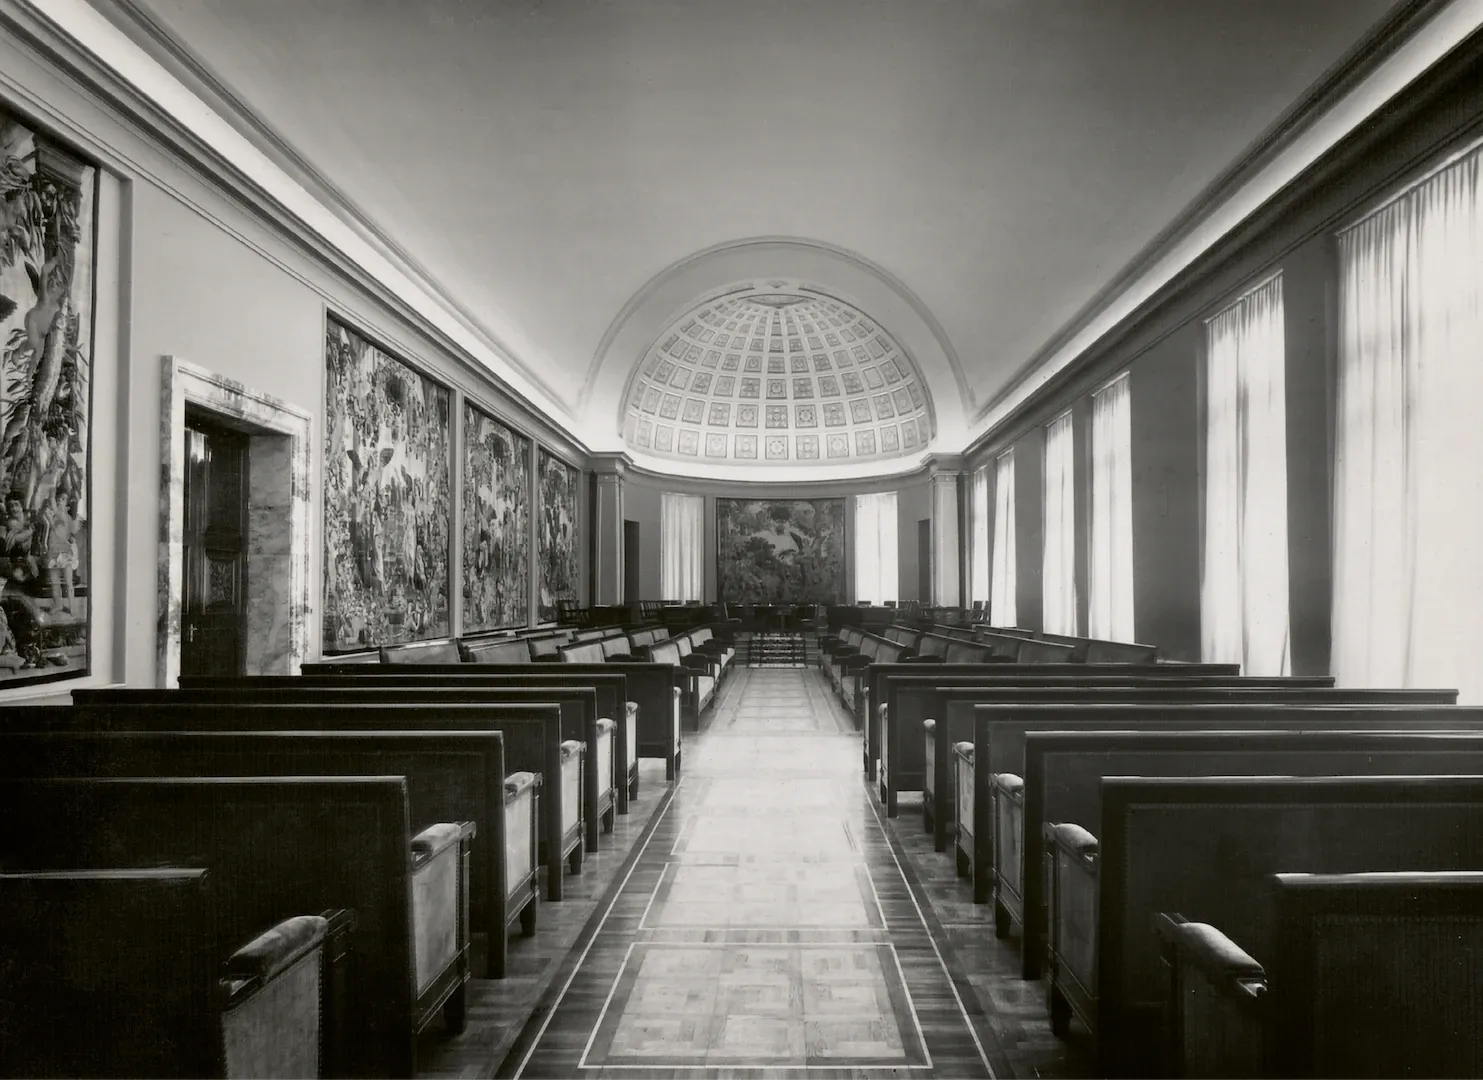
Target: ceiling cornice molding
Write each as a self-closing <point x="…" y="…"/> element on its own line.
<point x="784" y="486"/>
<point x="782" y="245"/>
<point x="133" y="19"/>
<point x="48" y="26"/>
<point x="1399" y="29"/>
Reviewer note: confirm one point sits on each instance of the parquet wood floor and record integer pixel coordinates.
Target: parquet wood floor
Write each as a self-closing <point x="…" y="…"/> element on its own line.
<point x="762" y="918"/>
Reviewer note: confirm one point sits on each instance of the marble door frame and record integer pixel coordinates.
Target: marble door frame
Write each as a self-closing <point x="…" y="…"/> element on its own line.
<point x="278" y="596"/>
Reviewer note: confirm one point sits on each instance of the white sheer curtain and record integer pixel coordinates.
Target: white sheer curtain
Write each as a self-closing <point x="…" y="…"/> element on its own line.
<point x="682" y="546"/>
<point x="1110" y="562"/>
<point x="876" y="568"/>
<point x="1408" y="577"/>
<point x="1058" y="574"/>
<point x="1002" y="587"/>
<point x="1243" y="576"/>
<point x="978" y="567"/>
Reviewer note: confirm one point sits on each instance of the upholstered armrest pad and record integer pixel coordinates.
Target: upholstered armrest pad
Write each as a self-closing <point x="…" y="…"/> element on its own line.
<point x="633" y="711"/>
<point x="516" y="782"/>
<point x="570" y="748"/>
<point x="964" y="748"/>
<point x="1073" y="838"/>
<point x="621" y="658"/>
<point x="921" y="660"/>
<point x="272" y="951"/>
<point x="435" y="838"/>
<point x="605" y="724"/>
<point x="1010" y="784"/>
<point x="929" y="724"/>
<point x="1216" y="953"/>
<point x="696" y="662"/>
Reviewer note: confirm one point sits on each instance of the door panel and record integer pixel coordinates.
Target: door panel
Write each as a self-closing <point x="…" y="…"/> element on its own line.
<point x="213" y="619"/>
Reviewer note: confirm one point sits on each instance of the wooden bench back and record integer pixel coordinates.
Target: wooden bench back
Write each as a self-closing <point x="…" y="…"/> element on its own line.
<point x="148" y="934"/>
<point x="510" y="651"/>
<point x="422" y="652"/>
<point x="1210" y="845"/>
<point x="272" y="846"/>
<point x="585" y="652"/>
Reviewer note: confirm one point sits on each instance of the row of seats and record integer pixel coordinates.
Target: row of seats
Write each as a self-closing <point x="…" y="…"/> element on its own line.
<point x="1207" y="868"/>
<point x="412" y="853"/>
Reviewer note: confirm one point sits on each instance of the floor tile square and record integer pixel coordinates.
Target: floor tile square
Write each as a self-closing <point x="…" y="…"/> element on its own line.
<point x="758" y="1037"/>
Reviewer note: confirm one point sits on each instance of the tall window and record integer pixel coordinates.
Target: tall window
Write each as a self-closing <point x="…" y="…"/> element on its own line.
<point x="978" y="567"/>
<point x="1058" y="598"/>
<point x="682" y="546"/>
<point x="1110" y="601"/>
<point x="1002" y="578"/>
<point x="876" y="568"/>
<point x="1243" y="577"/>
<point x="1408" y="518"/>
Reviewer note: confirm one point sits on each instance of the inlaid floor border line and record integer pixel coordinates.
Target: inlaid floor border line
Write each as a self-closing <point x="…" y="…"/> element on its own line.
<point x="935" y="933"/>
<point x="586" y="940"/>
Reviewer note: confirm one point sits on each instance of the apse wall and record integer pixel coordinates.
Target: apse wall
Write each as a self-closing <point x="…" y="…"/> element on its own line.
<point x="643" y="495"/>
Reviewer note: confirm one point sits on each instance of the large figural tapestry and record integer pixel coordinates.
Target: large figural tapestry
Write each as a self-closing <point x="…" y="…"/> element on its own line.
<point x="496" y="523"/>
<point x="48" y="199"/>
<point x="780" y="551"/>
<point x="386" y="498"/>
<point x="558" y="552"/>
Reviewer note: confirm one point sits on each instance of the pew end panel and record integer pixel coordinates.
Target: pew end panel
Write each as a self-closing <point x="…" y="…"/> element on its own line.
<point x="440" y="922"/>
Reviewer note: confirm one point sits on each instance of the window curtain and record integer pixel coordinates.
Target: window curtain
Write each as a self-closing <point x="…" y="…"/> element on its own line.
<point x="1243" y="576"/>
<point x="978" y="569"/>
<point x="876" y="568"/>
<point x="1408" y="512"/>
<point x="1058" y="562"/>
<point x="1110" y="565"/>
<point x="682" y="547"/>
<point x="1002" y="585"/>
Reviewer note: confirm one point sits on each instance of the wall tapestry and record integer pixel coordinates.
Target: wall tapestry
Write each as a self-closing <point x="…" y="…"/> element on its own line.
<point x="48" y="197"/>
<point x="780" y="551"/>
<point x="496" y="523"/>
<point x="386" y="498"/>
<point x="559" y="556"/>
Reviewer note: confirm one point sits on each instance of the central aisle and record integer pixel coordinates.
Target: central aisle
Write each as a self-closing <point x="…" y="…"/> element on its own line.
<point x="765" y="923"/>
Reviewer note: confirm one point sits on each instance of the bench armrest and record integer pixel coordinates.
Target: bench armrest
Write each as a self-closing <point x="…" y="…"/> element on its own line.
<point x="436" y="839"/>
<point x="273" y="950"/>
<point x="1074" y="840"/>
<point x="1013" y="787"/>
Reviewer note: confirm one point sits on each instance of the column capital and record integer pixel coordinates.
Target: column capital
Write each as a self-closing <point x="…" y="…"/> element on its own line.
<point x="945" y="466"/>
<point x="610" y="465"/>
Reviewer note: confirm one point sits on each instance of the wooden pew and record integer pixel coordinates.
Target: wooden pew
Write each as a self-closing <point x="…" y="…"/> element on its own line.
<point x="579" y="717"/>
<point x="532" y="742"/>
<point x="1206" y="847"/>
<point x="879" y="677"/>
<point x="948" y="708"/>
<point x="912" y="695"/>
<point x="270" y="845"/>
<point x="1102" y="651"/>
<point x="649" y="686"/>
<point x="1369" y="975"/>
<point x="1063" y="772"/>
<point x="960" y="703"/>
<point x="451" y="776"/>
<point x="999" y="732"/>
<point x="120" y="972"/>
<point x="612" y="697"/>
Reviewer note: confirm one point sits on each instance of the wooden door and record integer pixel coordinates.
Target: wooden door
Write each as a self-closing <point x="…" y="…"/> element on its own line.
<point x="214" y="613"/>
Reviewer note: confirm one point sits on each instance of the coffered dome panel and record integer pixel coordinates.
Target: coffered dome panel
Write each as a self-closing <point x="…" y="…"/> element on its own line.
<point x="775" y="375"/>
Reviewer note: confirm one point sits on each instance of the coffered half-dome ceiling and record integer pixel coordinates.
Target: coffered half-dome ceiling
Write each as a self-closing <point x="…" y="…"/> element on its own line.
<point x="776" y="375"/>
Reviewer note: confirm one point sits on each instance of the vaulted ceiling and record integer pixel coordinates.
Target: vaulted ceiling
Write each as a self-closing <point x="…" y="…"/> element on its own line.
<point x="977" y="169"/>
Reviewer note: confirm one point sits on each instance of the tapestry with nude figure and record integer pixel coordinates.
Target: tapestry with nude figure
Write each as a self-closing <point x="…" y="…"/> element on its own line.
<point x="48" y="200"/>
